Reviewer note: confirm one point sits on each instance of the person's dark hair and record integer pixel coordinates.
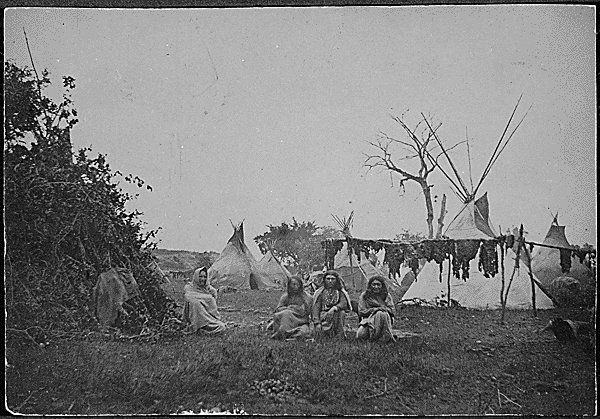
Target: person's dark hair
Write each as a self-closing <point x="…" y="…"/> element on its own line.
<point x="339" y="283"/>
<point x="196" y="273"/>
<point x="384" y="289"/>
<point x="289" y="289"/>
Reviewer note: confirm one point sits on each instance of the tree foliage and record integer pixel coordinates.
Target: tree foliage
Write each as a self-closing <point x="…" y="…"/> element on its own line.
<point x="297" y="244"/>
<point x="409" y="236"/>
<point x="65" y="215"/>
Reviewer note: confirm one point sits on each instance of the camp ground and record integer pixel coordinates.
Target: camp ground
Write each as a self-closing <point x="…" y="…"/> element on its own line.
<point x="300" y="211"/>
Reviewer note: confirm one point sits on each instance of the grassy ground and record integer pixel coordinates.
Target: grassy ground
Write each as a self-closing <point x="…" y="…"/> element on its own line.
<point x="459" y="362"/>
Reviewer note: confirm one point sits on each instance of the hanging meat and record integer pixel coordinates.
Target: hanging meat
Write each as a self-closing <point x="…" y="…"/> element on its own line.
<point x="466" y="250"/>
<point x="565" y="260"/>
<point x="442" y="250"/>
<point x="376" y="246"/>
<point x="580" y="254"/>
<point x="424" y="250"/>
<point x="411" y="258"/>
<point x="331" y="248"/>
<point x="394" y="257"/>
<point x="488" y="258"/>
<point x="358" y="246"/>
<point x="510" y="241"/>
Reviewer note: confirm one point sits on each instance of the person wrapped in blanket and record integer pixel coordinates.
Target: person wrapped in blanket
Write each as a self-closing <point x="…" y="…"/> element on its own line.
<point x="291" y="319"/>
<point x="376" y="312"/>
<point x="331" y="301"/>
<point x="200" y="308"/>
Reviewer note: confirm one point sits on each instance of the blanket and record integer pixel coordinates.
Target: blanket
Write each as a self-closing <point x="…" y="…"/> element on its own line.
<point x="200" y="310"/>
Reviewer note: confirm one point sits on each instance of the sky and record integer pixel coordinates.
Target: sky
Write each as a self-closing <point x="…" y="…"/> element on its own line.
<point x="264" y="114"/>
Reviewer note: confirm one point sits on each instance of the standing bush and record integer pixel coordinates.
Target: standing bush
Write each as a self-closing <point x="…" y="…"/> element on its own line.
<point x="65" y="216"/>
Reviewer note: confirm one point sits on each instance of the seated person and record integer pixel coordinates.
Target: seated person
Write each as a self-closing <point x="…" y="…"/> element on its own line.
<point x="200" y="309"/>
<point x="376" y="312"/>
<point x="331" y="300"/>
<point x="291" y="319"/>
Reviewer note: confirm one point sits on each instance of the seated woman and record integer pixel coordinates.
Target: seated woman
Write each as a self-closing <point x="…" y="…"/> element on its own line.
<point x="292" y="316"/>
<point x="376" y="311"/>
<point x="330" y="302"/>
<point x="200" y="309"/>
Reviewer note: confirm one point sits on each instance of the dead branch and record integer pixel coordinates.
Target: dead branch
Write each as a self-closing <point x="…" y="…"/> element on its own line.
<point x="385" y="160"/>
<point x="39" y="87"/>
<point x="27" y="399"/>
<point x="379" y="394"/>
<point x="404" y="405"/>
<point x="508" y="399"/>
<point x="25" y="332"/>
<point x="384" y="136"/>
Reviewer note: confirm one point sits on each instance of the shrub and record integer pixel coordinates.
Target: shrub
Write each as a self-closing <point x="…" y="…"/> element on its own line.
<point x="65" y="216"/>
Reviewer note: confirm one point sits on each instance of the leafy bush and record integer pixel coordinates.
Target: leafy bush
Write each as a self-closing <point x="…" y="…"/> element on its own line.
<point x="297" y="244"/>
<point x="65" y="216"/>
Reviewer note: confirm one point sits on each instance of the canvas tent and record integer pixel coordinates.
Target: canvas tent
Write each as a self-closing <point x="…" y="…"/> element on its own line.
<point x="407" y="277"/>
<point x="545" y="264"/>
<point x="472" y="222"/>
<point x="236" y="267"/>
<point x="356" y="275"/>
<point x="477" y="291"/>
<point x="273" y="269"/>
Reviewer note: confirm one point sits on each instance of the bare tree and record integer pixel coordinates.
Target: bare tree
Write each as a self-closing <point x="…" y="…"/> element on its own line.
<point x="420" y="147"/>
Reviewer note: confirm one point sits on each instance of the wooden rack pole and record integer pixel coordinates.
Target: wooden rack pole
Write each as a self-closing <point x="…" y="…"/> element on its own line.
<point x="449" y="271"/>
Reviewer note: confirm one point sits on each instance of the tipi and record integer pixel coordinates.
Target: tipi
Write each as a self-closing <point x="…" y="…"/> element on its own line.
<point x="477" y="291"/>
<point x="356" y="275"/>
<point x="545" y="264"/>
<point x="272" y="268"/>
<point x="236" y="267"/>
<point x="472" y="222"/>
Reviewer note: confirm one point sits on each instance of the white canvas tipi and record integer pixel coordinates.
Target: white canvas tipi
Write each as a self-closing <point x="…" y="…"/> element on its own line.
<point x="272" y="268"/>
<point x="472" y="222"/>
<point x="236" y="267"/>
<point x="545" y="264"/>
<point x="545" y="261"/>
<point x="356" y="275"/>
<point x="477" y="291"/>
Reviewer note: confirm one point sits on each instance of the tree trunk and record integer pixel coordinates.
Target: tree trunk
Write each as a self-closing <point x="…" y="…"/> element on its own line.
<point x="428" y="205"/>
<point x="441" y="219"/>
